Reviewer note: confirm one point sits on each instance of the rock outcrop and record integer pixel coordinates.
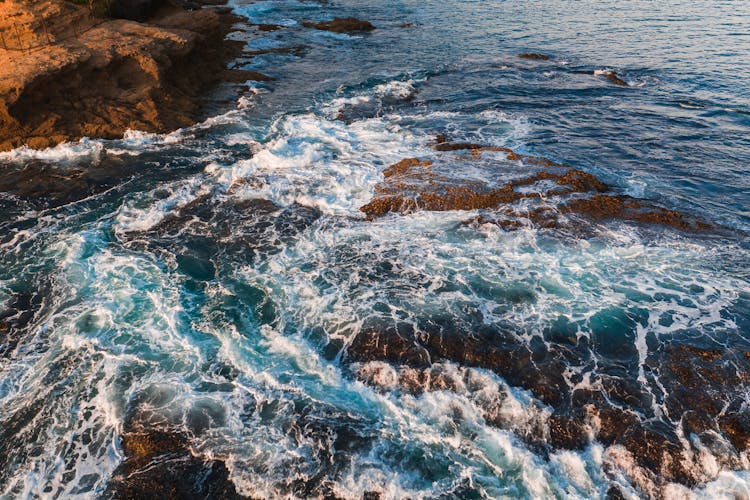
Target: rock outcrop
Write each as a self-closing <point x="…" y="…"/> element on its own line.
<point x="704" y="390"/>
<point x="412" y="184"/>
<point x="534" y="56"/>
<point x="81" y="76"/>
<point x="613" y="78"/>
<point x="341" y="25"/>
<point x="159" y="464"/>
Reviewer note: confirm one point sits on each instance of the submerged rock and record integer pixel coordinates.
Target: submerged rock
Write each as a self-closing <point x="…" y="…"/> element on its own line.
<point x="534" y="56"/>
<point x="243" y="75"/>
<point x="18" y="314"/>
<point x="205" y="237"/>
<point x="268" y="27"/>
<point x="159" y="464"/>
<point x="294" y="50"/>
<point x="614" y="78"/>
<point x="443" y="145"/>
<point x="341" y="25"/>
<point x="413" y="184"/>
<point x="48" y="184"/>
<point x="648" y="448"/>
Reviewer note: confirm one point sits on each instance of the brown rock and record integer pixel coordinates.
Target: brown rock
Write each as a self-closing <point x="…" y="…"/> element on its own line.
<point x="455" y="146"/>
<point x="242" y="76"/>
<point x="614" y="78"/>
<point x="411" y="184"/>
<point x="698" y="383"/>
<point x="403" y="166"/>
<point x="103" y="77"/>
<point x="601" y="207"/>
<point x="706" y="387"/>
<point x="534" y="56"/>
<point x="341" y="25"/>
<point x="736" y="427"/>
<point x="268" y="27"/>
<point x="158" y="463"/>
<point x="567" y="432"/>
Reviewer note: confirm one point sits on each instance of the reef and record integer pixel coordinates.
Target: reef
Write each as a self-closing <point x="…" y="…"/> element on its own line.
<point x="68" y="74"/>
<point x="160" y="464"/>
<point x="534" y="56"/>
<point x="614" y="78"/>
<point x="413" y="184"/>
<point x="341" y="25"/>
<point x="704" y="390"/>
<point x="700" y="387"/>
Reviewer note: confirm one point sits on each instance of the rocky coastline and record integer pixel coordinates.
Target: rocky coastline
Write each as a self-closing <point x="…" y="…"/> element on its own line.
<point x="68" y="71"/>
<point x="73" y="73"/>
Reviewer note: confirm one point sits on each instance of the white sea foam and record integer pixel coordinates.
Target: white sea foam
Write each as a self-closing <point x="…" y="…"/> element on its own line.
<point x="320" y="163"/>
<point x="142" y="214"/>
<point x="396" y="89"/>
<point x="130" y="314"/>
<point x="66" y="153"/>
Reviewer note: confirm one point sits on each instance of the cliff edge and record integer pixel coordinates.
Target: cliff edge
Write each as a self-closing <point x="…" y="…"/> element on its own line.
<point x="66" y="73"/>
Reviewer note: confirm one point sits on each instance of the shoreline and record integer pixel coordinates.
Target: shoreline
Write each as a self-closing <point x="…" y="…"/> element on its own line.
<point x="555" y="306"/>
<point x="109" y="75"/>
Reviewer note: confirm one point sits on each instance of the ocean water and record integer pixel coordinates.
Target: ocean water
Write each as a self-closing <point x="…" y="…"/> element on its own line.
<point x="218" y="279"/>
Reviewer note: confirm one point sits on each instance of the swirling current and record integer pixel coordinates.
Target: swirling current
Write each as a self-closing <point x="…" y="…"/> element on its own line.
<point x="211" y="310"/>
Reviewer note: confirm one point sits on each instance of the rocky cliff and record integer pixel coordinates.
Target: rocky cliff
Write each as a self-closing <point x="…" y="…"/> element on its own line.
<point x="66" y="72"/>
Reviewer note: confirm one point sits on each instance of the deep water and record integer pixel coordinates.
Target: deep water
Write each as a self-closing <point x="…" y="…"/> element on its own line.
<point x="220" y="281"/>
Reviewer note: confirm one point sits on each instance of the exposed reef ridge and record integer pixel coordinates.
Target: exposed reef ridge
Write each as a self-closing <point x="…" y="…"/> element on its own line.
<point x="551" y="191"/>
<point x="704" y="388"/>
<point x="68" y="74"/>
<point x="341" y="25"/>
<point x="160" y="464"/>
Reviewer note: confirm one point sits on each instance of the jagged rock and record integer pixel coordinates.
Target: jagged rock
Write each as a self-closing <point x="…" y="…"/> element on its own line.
<point x="104" y="77"/>
<point x="341" y="25"/>
<point x="535" y="56"/>
<point x="614" y="78"/>
<point x="413" y="184"/>
<point x="159" y="464"/>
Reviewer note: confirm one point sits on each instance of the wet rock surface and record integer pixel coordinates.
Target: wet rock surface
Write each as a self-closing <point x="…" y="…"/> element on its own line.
<point x="268" y="27"/>
<point x="17" y="314"/>
<point x="614" y="78"/>
<point x="414" y="184"/>
<point x="534" y="56"/>
<point x="203" y="237"/>
<point x="241" y="76"/>
<point x="106" y="76"/>
<point x="46" y="184"/>
<point x="703" y="407"/>
<point x="159" y="463"/>
<point x="341" y="25"/>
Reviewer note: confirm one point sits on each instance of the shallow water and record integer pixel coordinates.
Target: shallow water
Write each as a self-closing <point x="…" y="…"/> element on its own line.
<point x="214" y="279"/>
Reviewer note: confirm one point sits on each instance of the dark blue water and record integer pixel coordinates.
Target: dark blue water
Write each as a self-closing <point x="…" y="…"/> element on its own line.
<point x="220" y="278"/>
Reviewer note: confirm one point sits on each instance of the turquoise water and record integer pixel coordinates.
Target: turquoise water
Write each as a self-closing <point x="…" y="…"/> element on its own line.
<point x="213" y="277"/>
